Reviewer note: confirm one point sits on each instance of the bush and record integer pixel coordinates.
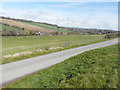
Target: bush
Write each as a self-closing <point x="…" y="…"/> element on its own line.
<point x="26" y="32"/>
<point x="111" y="35"/>
<point x="32" y="33"/>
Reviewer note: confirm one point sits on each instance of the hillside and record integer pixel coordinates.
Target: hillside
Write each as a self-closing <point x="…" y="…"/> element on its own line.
<point x="9" y="24"/>
<point x="27" y="27"/>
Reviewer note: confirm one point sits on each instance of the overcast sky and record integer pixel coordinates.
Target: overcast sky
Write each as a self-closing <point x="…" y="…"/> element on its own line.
<point x="102" y="15"/>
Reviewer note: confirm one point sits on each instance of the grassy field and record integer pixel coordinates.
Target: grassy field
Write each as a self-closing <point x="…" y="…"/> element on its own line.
<point x="48" y="27"/>
<point x="25" y="25"/>
<point x="32" y="26"/>
<point x="16" y="48"/>
<point x="8" y="28"/>
<point x="92" y="69"/>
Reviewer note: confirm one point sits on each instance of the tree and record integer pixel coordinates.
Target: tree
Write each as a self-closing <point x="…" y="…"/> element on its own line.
<point x="32" y="32"/>
<point x="13" y="32"/>
<point x="26" y="32"/>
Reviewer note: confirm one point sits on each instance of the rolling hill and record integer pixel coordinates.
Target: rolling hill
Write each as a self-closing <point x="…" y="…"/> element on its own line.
<point x="19" y="25"/>
<point x="11" y="26"/>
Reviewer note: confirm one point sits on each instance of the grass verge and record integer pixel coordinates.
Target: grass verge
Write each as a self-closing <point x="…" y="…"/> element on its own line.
<point x="91" y="69"/>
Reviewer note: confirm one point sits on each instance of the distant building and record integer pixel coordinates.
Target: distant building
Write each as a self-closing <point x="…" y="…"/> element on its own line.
<point x="18" y="33"/>
<point x="39" y="33"/>
<point x="50" y="34"/>
<point x="99" y="33"/>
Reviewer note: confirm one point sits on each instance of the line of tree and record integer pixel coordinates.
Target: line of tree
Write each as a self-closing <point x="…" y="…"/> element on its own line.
<point x="13" y="32"/>
<point x="88" y="31"/>
<point x="112" y="35"/>
<point x="12" y="26"/>
<point x="24" y="20"/>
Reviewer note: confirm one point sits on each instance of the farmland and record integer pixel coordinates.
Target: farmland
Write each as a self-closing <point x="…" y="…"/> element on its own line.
<point x="48" y="27"/>
<point x="31" y="26"/>
<point x="9" y="28"/>
<point x="26" y="44"/>
<point x="13" y="30"/>
<point x="91" y="69"/>
<point x="17" y="48"/>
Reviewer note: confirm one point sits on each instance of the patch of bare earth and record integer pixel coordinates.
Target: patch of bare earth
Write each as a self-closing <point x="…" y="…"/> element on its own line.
<point x="30" y="52"/>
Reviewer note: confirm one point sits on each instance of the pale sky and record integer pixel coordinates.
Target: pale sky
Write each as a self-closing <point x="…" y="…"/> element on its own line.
<point x="102" y="15"/>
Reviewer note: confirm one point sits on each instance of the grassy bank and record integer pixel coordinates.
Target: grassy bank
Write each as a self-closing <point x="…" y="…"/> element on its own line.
<point x="92" y="69"/>
<point x="31" y="46"/>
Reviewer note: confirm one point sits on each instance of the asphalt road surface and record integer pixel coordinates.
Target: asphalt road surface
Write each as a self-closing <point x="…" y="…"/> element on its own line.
<point x="16" y="70"/>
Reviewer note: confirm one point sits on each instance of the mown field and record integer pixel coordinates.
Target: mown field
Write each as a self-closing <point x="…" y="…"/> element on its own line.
<point x="91" y="69"/>
<point x="16" y="48"/>
<point x="48" y="27"/>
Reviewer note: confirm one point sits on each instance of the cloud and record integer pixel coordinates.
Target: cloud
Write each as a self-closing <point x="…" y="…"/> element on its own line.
<point x="90" y="22"/>
<point x="68" y="5"/>
<point x="105" y="20"/>
<point x="87" y="21"/>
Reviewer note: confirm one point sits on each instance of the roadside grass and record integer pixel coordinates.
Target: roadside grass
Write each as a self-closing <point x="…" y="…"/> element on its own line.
<point x="13" y="45"/>
<point x="16" y="45"/>
<point x="92" y="69"/>
<point x="48" y="27"/>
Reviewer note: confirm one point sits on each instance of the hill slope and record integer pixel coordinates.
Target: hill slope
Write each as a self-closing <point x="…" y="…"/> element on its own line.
<point x="47" y="29"/>
<point x="30" y="26"/>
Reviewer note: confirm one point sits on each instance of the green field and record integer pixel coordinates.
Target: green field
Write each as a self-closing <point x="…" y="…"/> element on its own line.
<point x="9" y="28"/>
<point x="48" y="27"/>
<point x="30" y="45"/>
<point x="91" y="69"/>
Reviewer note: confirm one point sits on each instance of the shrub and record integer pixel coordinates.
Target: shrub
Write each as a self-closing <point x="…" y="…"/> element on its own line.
<point x="26" y="32"/>
<point x="111" y="35"/>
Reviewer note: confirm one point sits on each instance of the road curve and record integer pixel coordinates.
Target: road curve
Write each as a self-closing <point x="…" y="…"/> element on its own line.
<point x="16" y="70"/>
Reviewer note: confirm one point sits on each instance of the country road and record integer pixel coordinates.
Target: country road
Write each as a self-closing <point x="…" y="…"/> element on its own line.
<point x="15" y="70"/>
